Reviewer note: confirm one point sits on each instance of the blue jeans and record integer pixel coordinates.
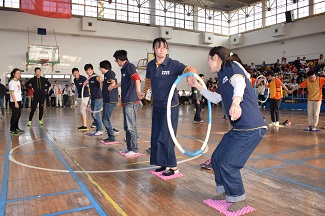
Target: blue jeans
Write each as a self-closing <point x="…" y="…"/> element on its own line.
<point x="108" y="109"/>
<point x="130" y="126"/>
<point x="162" y="145"/>
<point x="96" y="104"/>
<point x="229" y="157"/>
<point x="2" y="105"/>
<point x="23" y="101"/>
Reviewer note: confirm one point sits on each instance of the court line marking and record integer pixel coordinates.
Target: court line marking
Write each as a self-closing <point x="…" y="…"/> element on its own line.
<point x="74" y="175"/>
<point x="70" y="211"/>
<point x="90" y="178"/>
<point x="4" y="186"/>
<point x="44" y="195"/>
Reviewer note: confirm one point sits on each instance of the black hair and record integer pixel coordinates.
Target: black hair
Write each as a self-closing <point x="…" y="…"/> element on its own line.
<point x="270" y="73"/>
<point x="13" y="72"/>
<point x="121" y="55"/>
<point x="37" y="68"/>
<point x="225" y="55"/>
<point x="159" y="41"/>
<point x="105" y="64"/>
<point x="310" y="73"/>
<point x="88" y="66"/>
<point x="201" y="75"/>
<point x="75" y="69"/>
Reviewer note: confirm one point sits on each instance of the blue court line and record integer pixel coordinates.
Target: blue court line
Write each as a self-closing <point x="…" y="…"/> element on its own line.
<point x="70" y="211"/>
<point x="35" y="152"/>
<point x="79" y="182"/>
<point x="44" y="195"/>
<point x="293" y="162"/>
<point x="4" y="186"/>
<point x="286" y="179"/>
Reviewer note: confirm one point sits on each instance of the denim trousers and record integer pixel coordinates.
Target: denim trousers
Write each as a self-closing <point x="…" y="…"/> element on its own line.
<point x="96" y="104"/>
<point x="2" y="105"/>
<point x="229" y="157"/>
<point x="162" y="145"/>
<point x="130" y="126"/>
<point x="108" y="109"/>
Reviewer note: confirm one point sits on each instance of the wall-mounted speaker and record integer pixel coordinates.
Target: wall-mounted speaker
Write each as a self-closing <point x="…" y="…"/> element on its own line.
<point x="89" y="24"/>
<point x="236" y="39"/>
<point x="278" y="30"/>
<point x="289" y="16"/>
<point x="207" y="38"/>
<point x="166" y="32"/>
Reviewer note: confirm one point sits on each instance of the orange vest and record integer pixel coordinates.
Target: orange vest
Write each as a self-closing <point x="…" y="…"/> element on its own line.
<point x="275" y="89"/>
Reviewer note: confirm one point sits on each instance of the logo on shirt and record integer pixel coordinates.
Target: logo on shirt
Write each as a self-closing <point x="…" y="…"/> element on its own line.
<point x="165" y="72"/>
<point x="225" y="79"/>
<point x="123" y="75"/>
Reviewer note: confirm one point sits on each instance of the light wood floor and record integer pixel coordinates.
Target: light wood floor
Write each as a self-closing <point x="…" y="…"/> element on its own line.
<point x="57" y="169"/>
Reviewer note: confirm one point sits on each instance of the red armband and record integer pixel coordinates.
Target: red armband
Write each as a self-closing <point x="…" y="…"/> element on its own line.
<point x="135" y="77"/>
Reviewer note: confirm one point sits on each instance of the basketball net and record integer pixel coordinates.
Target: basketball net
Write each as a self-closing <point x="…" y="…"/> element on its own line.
<point x="44" y="61"/>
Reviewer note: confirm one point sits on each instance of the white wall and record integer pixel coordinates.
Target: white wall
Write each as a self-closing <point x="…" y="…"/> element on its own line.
<point x="79" y="47"/>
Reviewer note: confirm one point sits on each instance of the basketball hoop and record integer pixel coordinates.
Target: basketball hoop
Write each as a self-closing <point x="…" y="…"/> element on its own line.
<point x="44" y="61"/>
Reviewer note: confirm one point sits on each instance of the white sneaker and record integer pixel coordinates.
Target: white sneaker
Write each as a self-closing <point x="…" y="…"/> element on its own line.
<point x="98" y="133"/>
<point x="272" y="124"/>
<point x="314" y="129"/>
<point x="276" y="124"/>
<point x="124" y="151"/>
<point x="130" y="153"/>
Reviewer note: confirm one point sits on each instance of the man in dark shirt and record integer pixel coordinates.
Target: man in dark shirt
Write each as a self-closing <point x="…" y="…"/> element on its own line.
<point x="39" y="84"/>
<point x="82" y="99"/>
<point x="110" y="99"/>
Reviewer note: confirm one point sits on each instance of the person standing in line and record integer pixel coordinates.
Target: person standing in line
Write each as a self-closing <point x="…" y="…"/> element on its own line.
<point x="3" y="92"/>
<point x="314" y="85"/>
<point x="23" y="94"/>
<point x="237" y="144"/>
<point x="130" y="86"/>
<point x="47" y="95"/>
<point x="82" y="100"/>
<point x="198" y="102"/>
<point x="71" y="95"/>
<point x="15" y="102"/>
<point x="96" y="97"/>
<point x="7" y="96"/>
<point x="30" y="95"/>
<point x="275" y="85"/>
<point x="161" y="73"/>
<point x="110" y="98"/>
<point x="39" y="84"/>
<point x="65" y="94"/>
<point x="58" y="94"/>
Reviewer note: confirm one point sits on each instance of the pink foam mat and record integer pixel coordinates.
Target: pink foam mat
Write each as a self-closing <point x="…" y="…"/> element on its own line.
<point x="159" y="174"/>
<point x="133" y="156"/>
<point x="109" y="143"/>
<point x="222" y="206"/>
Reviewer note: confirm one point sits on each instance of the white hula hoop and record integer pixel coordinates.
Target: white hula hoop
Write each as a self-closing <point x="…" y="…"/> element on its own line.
<point x="255" y="89"/>
<point x="82" y="96"/>
<point x="170" y="127"/>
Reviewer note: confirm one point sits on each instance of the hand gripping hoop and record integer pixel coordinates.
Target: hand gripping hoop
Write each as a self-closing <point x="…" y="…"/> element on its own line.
<point x="82" y="96"/>
<point x="170" y="127"/>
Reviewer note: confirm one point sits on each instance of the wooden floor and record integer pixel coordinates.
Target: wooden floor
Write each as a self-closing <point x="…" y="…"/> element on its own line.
<point x="58" y="170"/>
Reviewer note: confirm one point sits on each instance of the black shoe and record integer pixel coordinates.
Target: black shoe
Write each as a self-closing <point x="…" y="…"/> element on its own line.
<point x="160" y="169"/>
<point x="116" y="131"/>
<point x="170" y="172"/>
<point x="149" y="150"/>
<point x="82" y="128"/>
<point x="20" y="131"/>
<point x="93" y="126"/>
<point x="14" y="133"/>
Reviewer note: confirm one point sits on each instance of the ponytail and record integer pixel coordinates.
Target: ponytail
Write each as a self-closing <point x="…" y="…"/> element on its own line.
<point x="225" y="55"/>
